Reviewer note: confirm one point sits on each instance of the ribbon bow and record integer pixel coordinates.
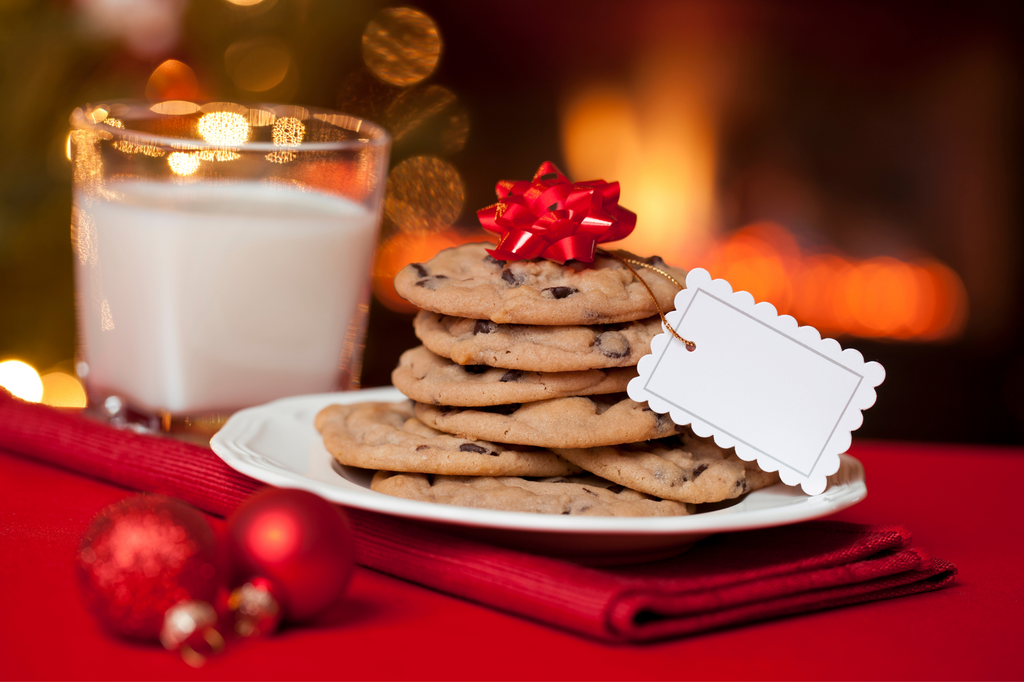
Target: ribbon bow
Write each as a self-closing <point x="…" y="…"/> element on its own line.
<point x="550" y="217"/>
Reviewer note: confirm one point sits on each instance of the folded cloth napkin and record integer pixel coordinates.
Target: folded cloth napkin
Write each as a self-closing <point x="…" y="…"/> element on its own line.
<point x="722" y="581"/>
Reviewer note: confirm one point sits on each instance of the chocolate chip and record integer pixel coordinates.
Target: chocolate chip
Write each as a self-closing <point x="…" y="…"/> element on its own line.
<point x="511" y="278"/>
<point x="421" y="448"/>
<point x="511" y="375"/>
<point x="472" y="447"/>
<point x="475" y="369"/>
<point x="484" y="327"/>
<point x="500" y="409"/>
<point x="612" y="345"/>
<point x="491" y="260"/>
<point x="657" y="262"/>
<point x="698" y="470"/>
<point x="589" y="492"/>
<point x="420" y="270"/>
<point x="615" y="488"/>
<point x="559" y="292"/>
<point x="430" y="282"/>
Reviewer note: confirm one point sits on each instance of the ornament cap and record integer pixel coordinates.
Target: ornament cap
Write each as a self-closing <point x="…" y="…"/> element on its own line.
<point x="255" y="607"/>
<point x="190" y="629"/>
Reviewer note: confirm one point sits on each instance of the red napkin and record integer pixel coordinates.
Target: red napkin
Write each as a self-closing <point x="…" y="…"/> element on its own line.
<point x="724" y="580"/>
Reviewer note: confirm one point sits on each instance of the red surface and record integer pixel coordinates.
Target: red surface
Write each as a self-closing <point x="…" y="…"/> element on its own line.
<point x="726" y="580"/>
<point x="391" y="629"/>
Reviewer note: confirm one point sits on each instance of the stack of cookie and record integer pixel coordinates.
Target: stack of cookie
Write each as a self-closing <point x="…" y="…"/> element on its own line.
<point x="518" y="395"/>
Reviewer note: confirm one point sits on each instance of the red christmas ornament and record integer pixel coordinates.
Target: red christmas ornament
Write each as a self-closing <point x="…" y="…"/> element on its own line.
<point x="142" y="556"/>
<point x="550" y="217"/>
<point x="294" y="553"/>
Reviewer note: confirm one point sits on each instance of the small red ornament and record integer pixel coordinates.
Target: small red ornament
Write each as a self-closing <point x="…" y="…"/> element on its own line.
<point x="299" y="545"/>
<point x="142" y="556"/>
<point x="550" y="217"/>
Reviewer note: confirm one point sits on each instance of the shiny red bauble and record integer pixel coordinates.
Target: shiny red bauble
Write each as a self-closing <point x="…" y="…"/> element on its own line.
<point x="140" y="557"/>
<point x="300" y="543"/>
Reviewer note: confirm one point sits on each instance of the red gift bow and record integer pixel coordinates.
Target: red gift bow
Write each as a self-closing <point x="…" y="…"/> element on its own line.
<point x="553" y="218"/>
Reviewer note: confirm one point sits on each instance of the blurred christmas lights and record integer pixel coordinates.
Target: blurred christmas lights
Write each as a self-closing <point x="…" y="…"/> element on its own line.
<point x="22" y="380"/>
<point x="183" y="163"/>
<point x="223" y="127"/>
<point x="424" y="193"/>
<point x="401" y="46"/>
<point x="62" y="390"/>
<point x="258" y="64"/>
<point x="879" y="297"/>
<point x="172" y="80"/>
<point x="410" y="247"/>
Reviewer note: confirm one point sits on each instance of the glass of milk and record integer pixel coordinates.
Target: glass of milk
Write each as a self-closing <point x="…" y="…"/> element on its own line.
<point x="222" y="255"/>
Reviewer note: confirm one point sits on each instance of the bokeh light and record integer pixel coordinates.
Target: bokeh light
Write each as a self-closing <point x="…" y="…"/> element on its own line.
<point x="175" y="108"/>
<point x="258" y="64"/>
<point x="257" y="117"/>
<point x="22" y="380"/>
<point x="129" y="147"/>
<point x="172" y="80"/>
<point x="62" y="390"/>
<point x="288" y="132"/>
<point x="424" y="193"/>
<point x="432" y="111"/>
<point x="401" y="46"/>
<point x="183" y="163"/>
<point x="106" y="317"/>
<point x="658" y="136"/>
<point x="409" y="247"/>
<point x="880" y="297"/>
<point x="223" y="127"/>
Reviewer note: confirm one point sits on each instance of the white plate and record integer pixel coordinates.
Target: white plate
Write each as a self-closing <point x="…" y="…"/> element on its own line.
<point x="276" y="443"/>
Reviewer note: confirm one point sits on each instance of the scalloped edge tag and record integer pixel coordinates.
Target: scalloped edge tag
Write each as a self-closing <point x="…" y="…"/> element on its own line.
<point x="777" y="392"/>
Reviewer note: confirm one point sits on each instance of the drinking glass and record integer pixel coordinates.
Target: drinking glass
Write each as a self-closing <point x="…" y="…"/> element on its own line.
<point x="222" y="255"/>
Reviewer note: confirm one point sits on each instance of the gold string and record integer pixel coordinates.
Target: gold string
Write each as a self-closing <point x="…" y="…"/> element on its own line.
<point x="629" y="262"/>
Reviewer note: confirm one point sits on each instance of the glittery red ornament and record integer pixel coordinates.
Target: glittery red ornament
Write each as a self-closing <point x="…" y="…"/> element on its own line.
<point x="299" y="543"/>
<point x="142" y="556"/>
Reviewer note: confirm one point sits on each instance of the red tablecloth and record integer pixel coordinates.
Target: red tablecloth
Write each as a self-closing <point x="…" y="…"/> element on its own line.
<point x="396" y="630"/>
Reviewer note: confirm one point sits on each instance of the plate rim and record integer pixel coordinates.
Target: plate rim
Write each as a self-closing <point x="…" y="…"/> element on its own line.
<point x="225" y="444"/>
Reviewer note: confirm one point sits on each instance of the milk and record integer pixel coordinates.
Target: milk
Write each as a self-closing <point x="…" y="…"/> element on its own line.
<point x="211" y="297"/>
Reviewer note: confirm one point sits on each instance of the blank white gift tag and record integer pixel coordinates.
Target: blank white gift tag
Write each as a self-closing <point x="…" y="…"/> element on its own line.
<point x="756" y="381"/>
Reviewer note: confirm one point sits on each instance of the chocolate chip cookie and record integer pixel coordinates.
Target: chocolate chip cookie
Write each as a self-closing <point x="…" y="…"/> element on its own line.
<point x="533" y="347"/>
<point x="429" y="378"/>
<point x="685" y="467"/>
<point x="576" y="495"/>
<point x="465" y="281"/>
<point x="388" y="436"/>
<point x="578" y="422"/>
